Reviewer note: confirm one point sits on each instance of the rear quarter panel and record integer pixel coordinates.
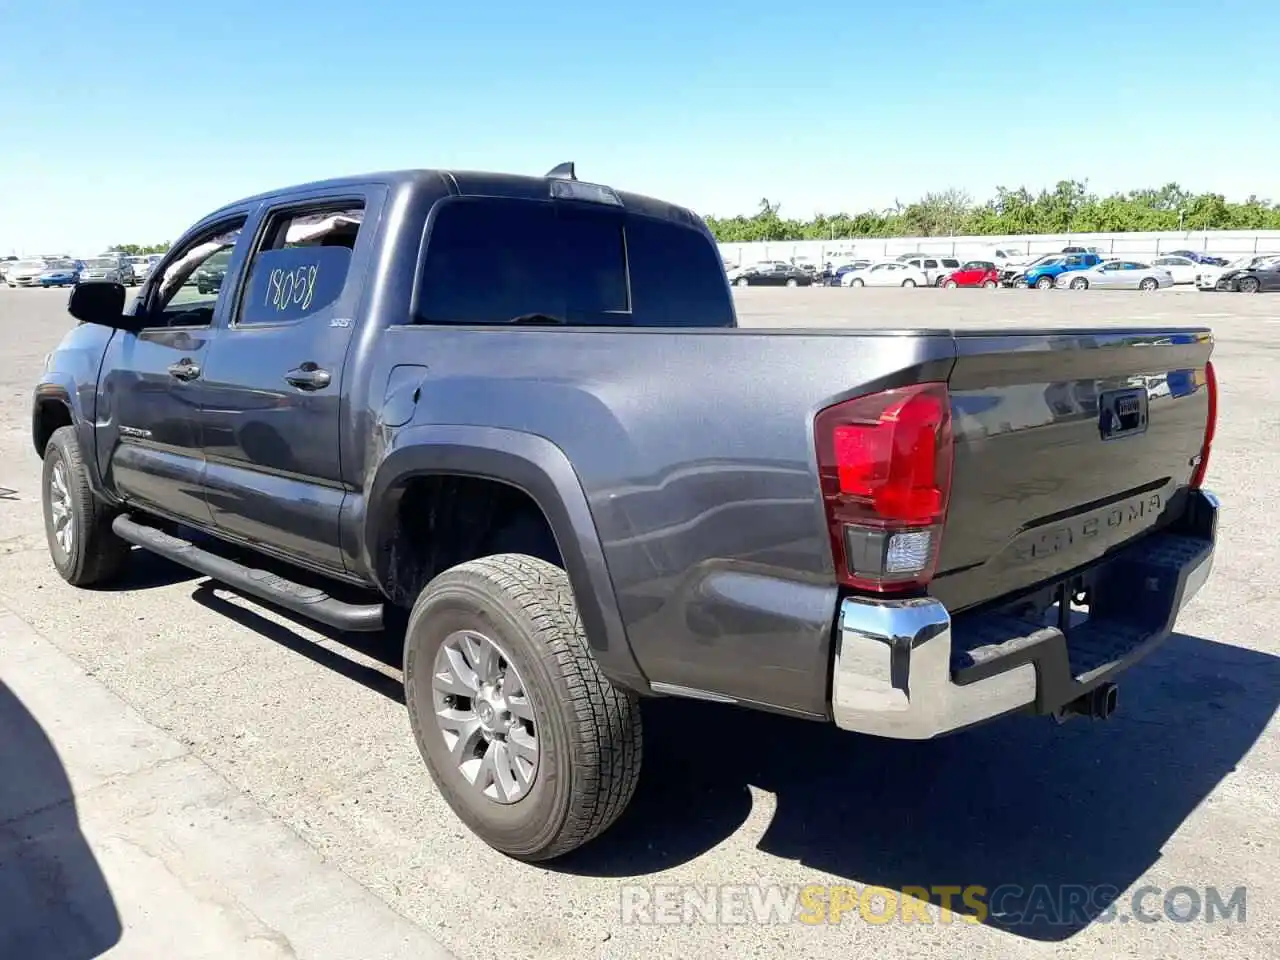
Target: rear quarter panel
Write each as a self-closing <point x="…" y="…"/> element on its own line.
<point x="695" y="452"/>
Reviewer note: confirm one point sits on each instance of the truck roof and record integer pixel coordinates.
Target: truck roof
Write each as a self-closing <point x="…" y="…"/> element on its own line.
<point x="474" y="183"/>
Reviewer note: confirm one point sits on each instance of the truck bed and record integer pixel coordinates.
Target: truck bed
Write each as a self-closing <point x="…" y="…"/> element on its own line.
<point x="696" y="451"/>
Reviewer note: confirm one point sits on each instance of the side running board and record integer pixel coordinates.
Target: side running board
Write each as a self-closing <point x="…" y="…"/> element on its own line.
<point x="304" y="600"/>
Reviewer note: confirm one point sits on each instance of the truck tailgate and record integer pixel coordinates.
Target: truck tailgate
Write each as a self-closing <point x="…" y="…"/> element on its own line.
<point x="1067" y="446"/>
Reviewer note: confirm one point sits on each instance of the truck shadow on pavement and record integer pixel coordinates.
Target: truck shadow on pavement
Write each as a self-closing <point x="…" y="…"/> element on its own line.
<point x="1022" y="801"/>
<point x="54" y="899"/>
<point x="384" y="647"/>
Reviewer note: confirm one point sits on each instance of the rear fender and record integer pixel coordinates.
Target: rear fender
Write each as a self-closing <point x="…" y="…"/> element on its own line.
<point x="540" y="469"/>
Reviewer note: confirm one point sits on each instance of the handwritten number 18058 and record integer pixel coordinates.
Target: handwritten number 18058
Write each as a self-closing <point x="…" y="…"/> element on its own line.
<point x="289" y="287"/>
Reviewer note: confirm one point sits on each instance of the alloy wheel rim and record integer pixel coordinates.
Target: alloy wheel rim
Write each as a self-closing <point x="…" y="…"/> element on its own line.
<point x="60" y="509"/>
<point x="485" y="716"/>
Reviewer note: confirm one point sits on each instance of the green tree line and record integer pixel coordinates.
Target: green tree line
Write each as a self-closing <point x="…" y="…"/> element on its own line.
<point x="139" y="249"/>
<point x="1068" y="208"/>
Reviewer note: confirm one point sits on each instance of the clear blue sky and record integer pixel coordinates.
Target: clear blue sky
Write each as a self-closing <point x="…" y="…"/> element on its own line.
<point x="124" y="122"/>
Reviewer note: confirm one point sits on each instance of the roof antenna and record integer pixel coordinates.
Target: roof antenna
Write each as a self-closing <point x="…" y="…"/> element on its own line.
<point x="563" y="171"/>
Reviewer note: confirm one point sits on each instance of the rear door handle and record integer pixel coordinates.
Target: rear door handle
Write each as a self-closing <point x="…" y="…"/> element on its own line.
<point x="184" y="369"/>
<point x="309" y="377"/>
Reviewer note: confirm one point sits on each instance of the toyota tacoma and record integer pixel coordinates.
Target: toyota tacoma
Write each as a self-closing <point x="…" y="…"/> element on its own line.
<point x="515" y="418"/>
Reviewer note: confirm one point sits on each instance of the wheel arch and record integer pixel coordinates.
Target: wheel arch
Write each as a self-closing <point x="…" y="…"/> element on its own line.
<point x="539" y="470"/>
<point x="50" y="412"/>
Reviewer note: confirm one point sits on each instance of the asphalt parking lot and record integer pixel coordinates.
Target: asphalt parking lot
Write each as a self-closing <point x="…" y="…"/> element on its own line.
<point x="1181" y="788"/>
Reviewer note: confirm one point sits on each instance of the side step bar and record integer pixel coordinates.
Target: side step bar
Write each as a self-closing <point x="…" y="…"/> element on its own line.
<point x="307" y="601"/>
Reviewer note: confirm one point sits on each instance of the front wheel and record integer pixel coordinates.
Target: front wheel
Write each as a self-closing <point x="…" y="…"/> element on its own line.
<point x="1044" y="283"/>
<point x="857" y="283"/>
<point x="526" y="739"/>
<point x="990" y="284"/>
<point x="951" y="284"/>
<point x="741" y="282"/>
<point x="1079" y="283"/>
<point x="84" y="549"/>
<point x="1148" y="284"/>
<point x="1249" y="285"/>
<point x="940" y="282"/>
<point x="793" y="282"/>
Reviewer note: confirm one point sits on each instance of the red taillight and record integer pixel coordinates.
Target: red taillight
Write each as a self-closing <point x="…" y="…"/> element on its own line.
<point x="1210" y="425"/>
<point x="884" y="462"/>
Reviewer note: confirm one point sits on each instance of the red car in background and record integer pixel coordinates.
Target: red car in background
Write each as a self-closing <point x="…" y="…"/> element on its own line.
<point x="975" y="273"/>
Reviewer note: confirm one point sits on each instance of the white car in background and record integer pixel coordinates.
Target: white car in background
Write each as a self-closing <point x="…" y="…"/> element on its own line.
<point x="1207" y="278"/>
<point x="142" y="266"/>
<point x="25" y="273"/>
<point x="1183" y="269"/>
<point x="887" y="273"/>
<point x="935" y="268"/>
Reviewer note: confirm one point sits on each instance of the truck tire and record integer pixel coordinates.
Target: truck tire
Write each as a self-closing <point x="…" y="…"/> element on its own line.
<point x="82" y="545"/>
<point x="496" y="662"/>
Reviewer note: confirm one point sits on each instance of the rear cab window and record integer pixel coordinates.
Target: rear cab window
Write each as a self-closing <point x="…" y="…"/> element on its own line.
<point x="495" y="260"/>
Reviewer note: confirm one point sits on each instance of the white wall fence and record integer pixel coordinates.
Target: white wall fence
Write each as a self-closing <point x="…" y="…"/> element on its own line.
<point x="1218" y="243"/>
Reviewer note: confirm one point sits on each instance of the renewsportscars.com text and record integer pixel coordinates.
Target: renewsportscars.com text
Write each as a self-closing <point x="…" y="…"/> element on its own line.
<point x="815" y="904"/>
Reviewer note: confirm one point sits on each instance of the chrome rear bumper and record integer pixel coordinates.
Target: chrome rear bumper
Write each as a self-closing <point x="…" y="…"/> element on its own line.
<point x="898" y="673"/>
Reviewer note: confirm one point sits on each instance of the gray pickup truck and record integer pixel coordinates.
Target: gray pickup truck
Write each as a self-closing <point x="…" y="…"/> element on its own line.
<point x="517" y="416"/>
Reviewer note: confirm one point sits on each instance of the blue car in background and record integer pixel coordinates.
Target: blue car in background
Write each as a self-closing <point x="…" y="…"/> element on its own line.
<point x="1199" y="257"/>
<point x="61" y="273"/>
<point x="1044" y="275"/>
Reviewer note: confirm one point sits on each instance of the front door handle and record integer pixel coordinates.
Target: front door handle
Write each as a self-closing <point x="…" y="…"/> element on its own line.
<point x="184" y="369"/>
<point x="309" y="377"/>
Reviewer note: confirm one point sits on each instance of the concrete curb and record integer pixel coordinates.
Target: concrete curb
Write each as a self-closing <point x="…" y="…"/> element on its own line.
<point x="163" y="857"/>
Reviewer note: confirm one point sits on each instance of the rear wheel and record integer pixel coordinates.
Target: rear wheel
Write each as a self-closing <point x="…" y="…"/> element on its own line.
<point x="951" y="284"/>
<point x="792" y="282"/>
<point x="990" y="284"/>
<point x="1148" y="284"/>
<point x="1249" y="285"/>
<point x="741" y="282"/>
<point x="526" y="739"/>
<point x="908" y="283"/>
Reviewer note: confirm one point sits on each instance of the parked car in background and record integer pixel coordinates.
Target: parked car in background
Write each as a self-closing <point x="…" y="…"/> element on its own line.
<point x="1199" y="256"/>
<point x="975" y="273"/>
<point x="1182" y="269"/>
<point x="733" y="273"/>
<point x="807" y="264"/>
<point x="1010" y="273"/>
<point x="888" y="273"/>
<point x="935" y="268"/>
<point x="25" y="273"/>
<point x="1045" y="275"/>
<point x="1252" y="279"/>
<point x="142" y="266"/>
<point x="212" y="272"/>
<point x="62" y="273"/>
<point x="1097" y="250"/>
<point x="124" y="266"/>
<point x="1116" y="275"/>
<point x="1207" y="279"/>
<point x="775" y="273"/>
<point x="839" y="273"/>
<point x="102" y="268"/>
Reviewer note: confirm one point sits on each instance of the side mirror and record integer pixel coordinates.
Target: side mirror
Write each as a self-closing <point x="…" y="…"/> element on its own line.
<point x="98" y="301"/>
